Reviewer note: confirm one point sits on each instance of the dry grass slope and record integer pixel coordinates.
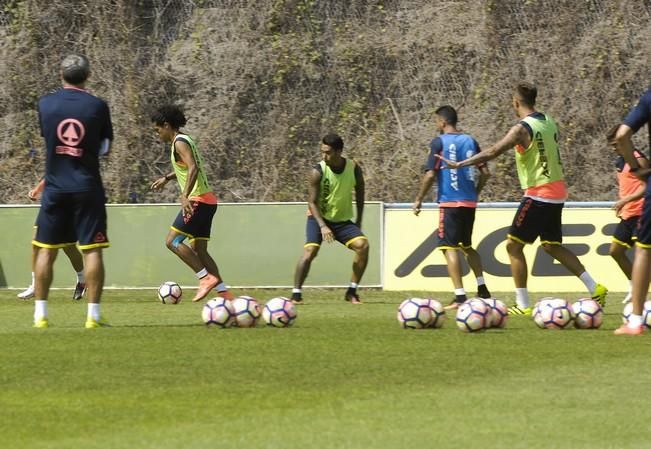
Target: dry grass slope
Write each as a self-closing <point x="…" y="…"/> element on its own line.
<point x="262" y="80"/>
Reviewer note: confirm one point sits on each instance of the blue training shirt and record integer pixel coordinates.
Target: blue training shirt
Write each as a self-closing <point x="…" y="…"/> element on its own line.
<point x="73" y="124"/>
<point x="456" y="185"/>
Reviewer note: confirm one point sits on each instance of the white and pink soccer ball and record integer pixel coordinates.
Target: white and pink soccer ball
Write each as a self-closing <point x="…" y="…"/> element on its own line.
<point x="555" y="313"/>
<point x="218" y="312"/>
<point x="169" y="292"/>
<point x="588" y="314"/>
<point x="414" y="314"/>
<point x="246" y="310"/>
<point x="437" y="311"/>
<point x="498" y="313"/>
<point x="473" y="315"/>
<point x="279" y="312"/>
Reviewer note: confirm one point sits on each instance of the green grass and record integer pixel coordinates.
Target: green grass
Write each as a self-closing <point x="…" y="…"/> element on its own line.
<point x="343" y="377"/>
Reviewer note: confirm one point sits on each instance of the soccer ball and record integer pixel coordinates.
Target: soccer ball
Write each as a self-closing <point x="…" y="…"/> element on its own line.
<point x="437" y="310"/>
<point x="279" y="312"/>
<point x="536" y="315"/>
<point x="218" y="311"/>
<point x="498" y="313"/>
<point x="555" y="314"/>
<point x="169" y="293"/>
<point x="414" y="314"/>
<point x="246" y="310"/>
<point x="588" y="314"/>
<point x="472" y="315"/>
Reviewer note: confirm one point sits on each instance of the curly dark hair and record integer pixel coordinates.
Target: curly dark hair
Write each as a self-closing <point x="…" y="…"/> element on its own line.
<point x="171" y="114"/>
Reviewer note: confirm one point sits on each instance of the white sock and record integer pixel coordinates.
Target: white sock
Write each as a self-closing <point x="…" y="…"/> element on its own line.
<point x="630" y="287"/>
<point x="33" y="282"/>
<point x="459" y="291"/>
<point x="353" y="284"/>
<point x="80" y="277"/>
<point x="587" y="280"/>
<point x="221" y="287"/>
<point x="480" y="280"/>
<point x="93" y="311"/>
<point x="296" y="290"/>
<point x="40" y="309"/>
<point x="202" y="273"/>
<point x="634" y="321"/>
<point x="522" y="297"/>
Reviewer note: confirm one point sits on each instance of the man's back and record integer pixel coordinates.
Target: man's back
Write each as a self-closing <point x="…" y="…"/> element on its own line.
<point x="73" y="124"/>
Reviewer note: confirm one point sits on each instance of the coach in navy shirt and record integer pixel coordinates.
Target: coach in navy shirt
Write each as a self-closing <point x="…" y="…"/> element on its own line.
<point x="77" y="130"/>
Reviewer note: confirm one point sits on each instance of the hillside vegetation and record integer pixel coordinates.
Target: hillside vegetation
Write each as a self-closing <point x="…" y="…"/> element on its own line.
<point x="261" y="81"/>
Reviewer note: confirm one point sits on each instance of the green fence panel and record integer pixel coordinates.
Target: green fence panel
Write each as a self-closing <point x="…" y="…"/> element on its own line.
<point x="255" y="244"/>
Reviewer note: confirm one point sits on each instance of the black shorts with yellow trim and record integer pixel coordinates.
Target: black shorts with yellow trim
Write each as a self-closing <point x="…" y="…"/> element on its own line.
<point x="345" y="232"/>
<point x="196" y="225"/>
<point x="455" y="227"/>
<point x="644" y="224"/>
<point x="626" y="232"/>
<point x="535" y="219"/>
<point x="67" y="218"/>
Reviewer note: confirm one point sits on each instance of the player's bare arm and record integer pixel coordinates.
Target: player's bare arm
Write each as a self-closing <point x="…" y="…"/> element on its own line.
<point x="313" y="189"/>
<point x="517" y="135"/>
<point x="185" y="153"/>
<point x="425" y="185"/>
<point x="625" y="148"/>
<point x="160" y="182"/>
<point x="36" y="191"/>
<point x="360" y="193"/>
<point x="639" y="193"/>
<point x="484" y="175"/>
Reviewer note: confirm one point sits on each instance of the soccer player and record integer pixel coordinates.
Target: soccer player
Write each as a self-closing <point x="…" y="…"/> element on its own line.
<point x="330" y="211"/>
<point x="77" y="129"/>
<point x="628" y="208"/>
<point x="198" y="202"/>
<point x="457" y="193"/>
<point x="71" y="251"/>
<point x="636" y="118"/>
<point x="538" y="162"/>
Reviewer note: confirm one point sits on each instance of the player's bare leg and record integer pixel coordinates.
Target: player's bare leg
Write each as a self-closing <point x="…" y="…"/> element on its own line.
<point x="207" y="281"/>
<point x="474" y="261"/>
<point x="45" y="258"/>
<point x="640" y="273"/>
<point x="519" y="272"/>
<point x="29" y="291"/>
<point x="94" y="272"/>
<point x="569" y="260"/>
<point x="452" y="258"/>
<point x="360" y="261"/>
<point x="77" y="262"/>
<point x="302" y="269"/>
<point x="200" y="246"/>
<point x="618" y="253"/>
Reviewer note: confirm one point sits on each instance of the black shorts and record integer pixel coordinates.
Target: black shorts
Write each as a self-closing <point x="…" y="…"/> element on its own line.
<point x="537" y="219"/>
<point x="65" y="218"/>
<point x="345" y="232"/>
<point x="626" y="232"/>
<point x="196" y="225"/>
<point x="455" y="227"/>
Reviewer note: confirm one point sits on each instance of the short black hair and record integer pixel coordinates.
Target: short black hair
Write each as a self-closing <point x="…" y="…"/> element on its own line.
<point x="75" y="69"/>
<point x="448" y="113"/>
<point x="171" y="114"/>
<point x="334" y="141"/>
<point x="527" y="93"/>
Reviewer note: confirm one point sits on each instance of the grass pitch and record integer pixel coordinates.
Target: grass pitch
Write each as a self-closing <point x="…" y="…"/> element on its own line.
<point x="343" y="377"/>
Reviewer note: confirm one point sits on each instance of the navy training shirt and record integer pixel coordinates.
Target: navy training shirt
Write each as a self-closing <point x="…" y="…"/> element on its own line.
<point x="73" y="124"/>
